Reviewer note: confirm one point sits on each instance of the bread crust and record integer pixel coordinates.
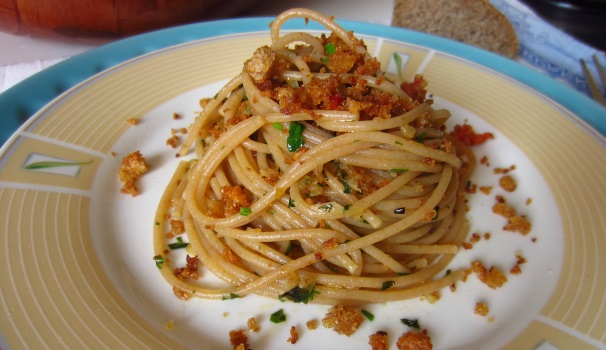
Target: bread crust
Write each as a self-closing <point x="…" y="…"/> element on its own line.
<point x="474" y="22"/>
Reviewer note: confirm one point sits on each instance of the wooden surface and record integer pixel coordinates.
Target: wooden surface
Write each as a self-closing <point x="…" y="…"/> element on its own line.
<point x="108" y="18"/>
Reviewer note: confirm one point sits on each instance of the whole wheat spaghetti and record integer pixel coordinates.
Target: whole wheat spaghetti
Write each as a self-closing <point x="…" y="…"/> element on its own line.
<point x="316" y="175"/>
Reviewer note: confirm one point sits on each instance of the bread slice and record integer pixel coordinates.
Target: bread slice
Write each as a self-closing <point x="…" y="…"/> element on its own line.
<point x="475" y="22"/>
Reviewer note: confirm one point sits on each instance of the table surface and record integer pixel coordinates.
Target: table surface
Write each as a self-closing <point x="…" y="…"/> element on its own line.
<point x="25" y="48"/>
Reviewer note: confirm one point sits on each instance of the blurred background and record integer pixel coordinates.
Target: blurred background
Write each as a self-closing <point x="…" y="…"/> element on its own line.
<point x="553" y="34"/>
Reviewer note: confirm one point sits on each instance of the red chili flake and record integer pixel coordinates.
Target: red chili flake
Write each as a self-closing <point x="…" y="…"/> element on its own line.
<point x="468" y="136"/>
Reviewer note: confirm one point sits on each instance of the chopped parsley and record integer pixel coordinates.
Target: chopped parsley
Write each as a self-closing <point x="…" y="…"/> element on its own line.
<point x="346" y="188"/>
<point x="404" y="273"/>
<point x="411" y="323"/>
<point x="288" y="248"/>
<point x="295" y="136"/>
<point x="230" y="296"/>
<point x="278" y="316"/>
<point x="421" y="137"/>
<point x="398" y="170"/>
<point x="245" y="211"/>
<point x="330" y="48"/>
<point x="346" y="207"/>
<point x="277" y="126"/>
<point x="387" y="284"/>
<point x="326" y="207"/>
<point x="368" y="315"/>
<point x="159" y="259"/>
<point x="300" y="295"/>
<point x="291" y="202"/>
<point x="178" y="244"/>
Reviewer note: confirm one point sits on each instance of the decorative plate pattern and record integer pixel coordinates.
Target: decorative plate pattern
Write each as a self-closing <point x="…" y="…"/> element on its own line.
<point x="77" y="269"/>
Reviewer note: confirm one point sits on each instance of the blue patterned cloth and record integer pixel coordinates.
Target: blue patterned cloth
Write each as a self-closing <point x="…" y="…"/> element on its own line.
<point x="548" y="49"/>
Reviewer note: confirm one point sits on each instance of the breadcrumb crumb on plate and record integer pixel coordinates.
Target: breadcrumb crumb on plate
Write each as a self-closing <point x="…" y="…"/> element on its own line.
<point x="379" y="341"/>
<point x="481" y="309"/>
<point x="132" y="167"/>
<point x="343" y="319"/>
<point x="414" y="340"/>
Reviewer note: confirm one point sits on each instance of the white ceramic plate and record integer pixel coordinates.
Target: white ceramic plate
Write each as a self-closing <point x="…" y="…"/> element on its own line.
<point x="77" y="267"/>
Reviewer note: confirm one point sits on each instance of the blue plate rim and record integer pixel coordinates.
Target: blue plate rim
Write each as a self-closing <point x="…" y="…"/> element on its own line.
<point x="19" y="103"/>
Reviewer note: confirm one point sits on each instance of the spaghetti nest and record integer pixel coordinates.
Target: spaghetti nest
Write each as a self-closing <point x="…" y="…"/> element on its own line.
<point x="316" y="177"/>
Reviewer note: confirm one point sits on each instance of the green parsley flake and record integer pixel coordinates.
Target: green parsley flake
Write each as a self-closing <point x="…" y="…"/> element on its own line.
<point x="277" y="126"/>
<point x="230" y="296"/>
<point x="159" y="259"/>
<point x="387" y="284"/>
<point x="330" y="49"/>
<point x="411" y="323"/>
<point x="295" y="136"/>
<point x="288" y="248"/>
<point x="368" y="315"/>
<point x="300" y="295"/>
<point x="421" y="137"/>
<point x="245" y="211"/>
<point x="399" y="170"/>
<point x="326" y="207"/>
<point x="278" y="316"/>
<point x="179" y="244"/>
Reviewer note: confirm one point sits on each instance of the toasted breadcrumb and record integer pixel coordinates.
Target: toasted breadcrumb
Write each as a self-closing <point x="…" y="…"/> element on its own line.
<point x="471" y="188"/>
<point x="504" y="210"/>
<point x="132" y="121"/>
<point x="330" y="244"/>
<point x="233" y="198"/>
<point x="474" y="238"/>
<point x="518" y="224"/>
<point x="253" y="325"/>
<point x="176" y="116"/>
<point x="508" y="183"/>
<point x="238" y="339"/>
<point x="493" y="277"/>
<point x="312" y="324"/>
<point x="190" y="270"/>
<point x="133" y="166"/>
<point x="481" y="309"/>
<point x="173" y="141"/>
<point x="181" y="294"/>
<point x="294" y="335"/>
<point x="486" y="189"/>
<point x="177" y="227"/>
<point x="379" y="341"/>
<point x="504" y="171"/>
<point x="466" y="245"/>
<point x="528" y="201"/>
<point x="413" y="340"/>
<point x="343" y="319"/>
<point x="516" y="269"/>
<point x="433" y="297"/>
<point x="230" y="256"/>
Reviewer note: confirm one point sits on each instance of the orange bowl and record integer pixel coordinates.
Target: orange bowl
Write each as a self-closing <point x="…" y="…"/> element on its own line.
<point x="109" y="18"/>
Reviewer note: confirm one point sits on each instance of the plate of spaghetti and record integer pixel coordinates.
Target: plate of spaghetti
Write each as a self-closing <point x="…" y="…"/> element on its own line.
<point x="300" y="182"/>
